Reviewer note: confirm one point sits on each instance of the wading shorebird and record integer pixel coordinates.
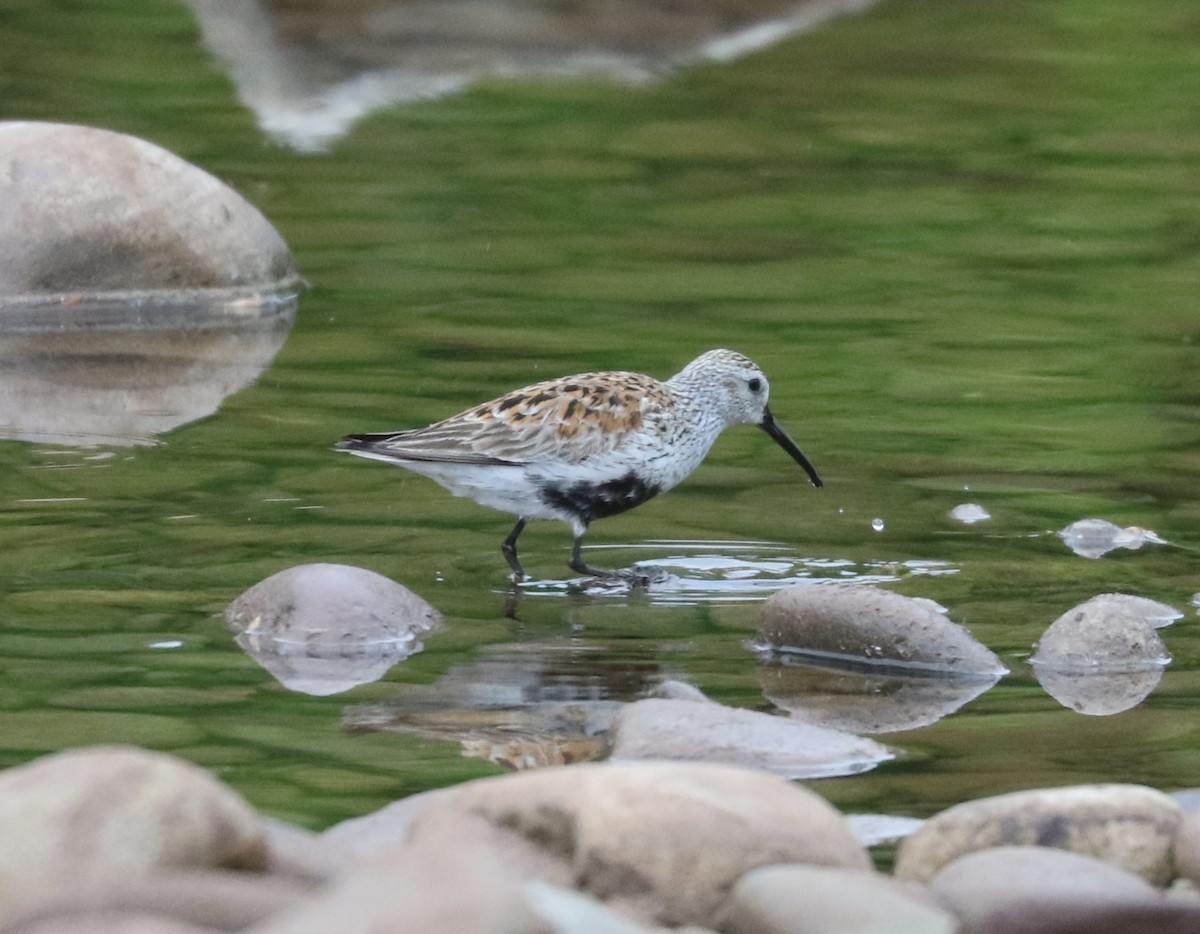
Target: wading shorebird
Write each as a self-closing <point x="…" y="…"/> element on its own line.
<point x="584" y="447"/>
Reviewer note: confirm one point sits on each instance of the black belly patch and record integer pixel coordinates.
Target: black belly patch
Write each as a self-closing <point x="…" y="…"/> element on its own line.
<point x="590" y="501"/>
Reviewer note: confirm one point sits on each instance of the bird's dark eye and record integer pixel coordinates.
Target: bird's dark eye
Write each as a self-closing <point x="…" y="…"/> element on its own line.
<point x="755" y="384"/>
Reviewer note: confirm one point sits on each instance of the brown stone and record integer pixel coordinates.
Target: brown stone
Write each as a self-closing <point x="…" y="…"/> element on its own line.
<point x="1129" y="826"/>
<point x="794" y="899"/>
<point x="985" y="887"/>
<point x="115" y="812"/>
<point x="706" y="732"/>
<point x="664" y="842"/>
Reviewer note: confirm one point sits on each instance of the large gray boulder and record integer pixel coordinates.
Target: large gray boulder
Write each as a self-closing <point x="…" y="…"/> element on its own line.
<point x="89" y="210"/>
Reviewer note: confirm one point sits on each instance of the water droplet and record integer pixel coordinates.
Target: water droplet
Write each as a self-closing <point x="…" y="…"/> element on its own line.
<point x="877" y="524"/>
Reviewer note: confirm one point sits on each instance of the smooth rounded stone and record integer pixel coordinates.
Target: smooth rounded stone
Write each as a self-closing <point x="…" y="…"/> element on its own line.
<point x="118" y="812"/>
<point x="1186" y="849"/>
<point x="90" y="210"/>
<point x="325" y="628"/>
<point x="872" y="626"/>
<point x="664" y="842"/>
<point x="1079" y="917"/>
<point x="1104" y="633"/>
<point x="1094" y="538"/>
<point x="708" y="732"/>
<point x="985" y="887"/>
<point x="226" y="901"/>
<point x="454" y="884"/>
<point x="1129" y="826"/>
<point x="864" y="699"/>
<point x="795" y="899"/>
<point x="569" y="912"/>
<point x="110" y="922"/>
<point x="1104" y="655"/>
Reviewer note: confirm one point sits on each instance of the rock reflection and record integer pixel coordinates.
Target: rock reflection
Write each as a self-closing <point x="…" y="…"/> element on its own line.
<point x="123" y="368"/>
<point x="1104" y="655"/>
<point x="860" y="698"/>
<point x="555" y="703"/>
<point x="309" y="72"/>
<point x="1098" y="693"/>
<point x="323" y="629"/>
<point x="521" y="705"/>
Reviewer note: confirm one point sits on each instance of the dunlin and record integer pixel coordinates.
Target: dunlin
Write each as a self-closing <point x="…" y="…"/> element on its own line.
<point x="581" y="448"/>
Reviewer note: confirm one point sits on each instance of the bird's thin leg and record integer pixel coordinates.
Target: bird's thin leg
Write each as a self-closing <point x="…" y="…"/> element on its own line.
<point x="636" y="577"/>
<point x="576" y="563"/>
<point x="509" y="549"/>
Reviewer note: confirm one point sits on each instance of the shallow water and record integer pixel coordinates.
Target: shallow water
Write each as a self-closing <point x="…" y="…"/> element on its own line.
<point x="961" y="242"/>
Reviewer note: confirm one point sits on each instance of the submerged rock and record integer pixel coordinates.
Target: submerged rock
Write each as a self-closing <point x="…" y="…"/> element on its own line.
<point x="1094" y="538"/>
<point x="1129" y="826"/>
<point x="1103" y="656"/>
<point x="1106" y="633"/>
<point x="706" y="732"/>
<point x="969" y="513"/>
<point x="325" y="628"/>
<point x="872" y="626"/>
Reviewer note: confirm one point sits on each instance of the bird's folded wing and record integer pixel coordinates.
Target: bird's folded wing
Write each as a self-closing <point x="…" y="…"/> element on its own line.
<point x="568" y="420"/>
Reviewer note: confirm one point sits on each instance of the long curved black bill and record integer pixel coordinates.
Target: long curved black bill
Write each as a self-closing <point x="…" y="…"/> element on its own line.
<point x="771" y="427"/>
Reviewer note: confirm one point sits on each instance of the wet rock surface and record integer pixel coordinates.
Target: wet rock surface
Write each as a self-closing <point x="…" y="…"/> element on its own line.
<point x="985" y="887"/>
<point x="872" y="626"/>
<point x="114" y="839"/>
<point x="1129" y="826"/>
<point x="325" y="628"/>
<point x="1110" y="632"/>
<point x="1105" y="655"/>
<point x="86" y="210"/>
<point x="707" y="732"/>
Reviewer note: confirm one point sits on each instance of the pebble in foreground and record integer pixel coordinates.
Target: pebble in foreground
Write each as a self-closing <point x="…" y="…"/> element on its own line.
<point x="584" y="447"/>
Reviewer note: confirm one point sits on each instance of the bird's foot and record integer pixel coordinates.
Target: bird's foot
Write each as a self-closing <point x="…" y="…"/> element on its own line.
<point x="641" y="576"/>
